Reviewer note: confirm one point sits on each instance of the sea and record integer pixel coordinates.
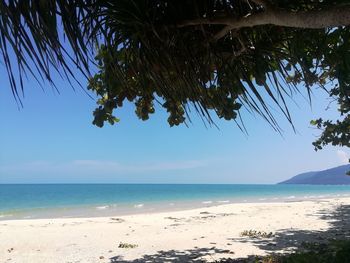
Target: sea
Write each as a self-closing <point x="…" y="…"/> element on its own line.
<point x="24" y="201"/>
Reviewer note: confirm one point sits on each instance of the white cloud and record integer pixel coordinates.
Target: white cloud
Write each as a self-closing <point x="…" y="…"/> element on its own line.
<point x="95" y="166"/>
<point x="343" y="157"/>
<point x="29" y="166"/>
<point x="179" y="165"/>
<point x="139" y="167"/>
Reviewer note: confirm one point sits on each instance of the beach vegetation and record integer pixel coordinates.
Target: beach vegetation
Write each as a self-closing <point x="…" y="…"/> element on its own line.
<point x="333" y="252"/>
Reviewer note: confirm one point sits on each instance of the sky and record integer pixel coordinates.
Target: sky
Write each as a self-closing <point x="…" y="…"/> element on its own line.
<point x="51" y="139"/>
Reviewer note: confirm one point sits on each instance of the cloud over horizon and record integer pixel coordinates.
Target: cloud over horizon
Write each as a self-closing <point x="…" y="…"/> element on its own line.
<point x="105" y="166"/>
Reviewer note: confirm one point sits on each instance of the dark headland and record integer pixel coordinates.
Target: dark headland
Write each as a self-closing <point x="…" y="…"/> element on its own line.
<point x="335" y="176"/>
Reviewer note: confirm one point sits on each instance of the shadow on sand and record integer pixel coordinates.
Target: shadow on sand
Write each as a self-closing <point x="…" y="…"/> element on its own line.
<point x="285" y="239"/>
<point x="191" y="255"/>
<point x="291" y="239"/>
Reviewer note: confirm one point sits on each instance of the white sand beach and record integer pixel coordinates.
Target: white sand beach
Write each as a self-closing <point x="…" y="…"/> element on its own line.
<point x="207" y="233"/>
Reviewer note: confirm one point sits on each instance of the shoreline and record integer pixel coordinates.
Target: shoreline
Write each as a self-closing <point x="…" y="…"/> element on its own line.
<point x="92" y="200"/>
<point x="110" y="210"/>
<point x="207" y="233"/>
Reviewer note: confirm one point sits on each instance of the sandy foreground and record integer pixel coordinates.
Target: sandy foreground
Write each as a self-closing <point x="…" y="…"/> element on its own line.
<point x="205" y="234"/>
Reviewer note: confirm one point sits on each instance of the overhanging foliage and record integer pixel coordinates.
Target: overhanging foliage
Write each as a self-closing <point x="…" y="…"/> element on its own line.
<point x="213" y="55"/>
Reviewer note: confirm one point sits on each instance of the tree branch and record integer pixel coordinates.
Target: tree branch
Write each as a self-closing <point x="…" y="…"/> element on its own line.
<point x="263" y="3"/>
<point x="223" y="32"/>
<point x="331" y="17"/>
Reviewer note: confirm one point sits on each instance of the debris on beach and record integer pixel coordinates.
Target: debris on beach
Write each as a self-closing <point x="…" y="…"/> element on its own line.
<point x="176" y="219"/>
<point x="256" y="234"/>
<point x="204" y="213"/>
<point x="117" y="220"/>
<point x="127" y="245"/>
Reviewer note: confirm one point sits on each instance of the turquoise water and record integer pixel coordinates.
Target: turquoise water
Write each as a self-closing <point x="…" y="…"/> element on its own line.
<point x="69" y="200"/>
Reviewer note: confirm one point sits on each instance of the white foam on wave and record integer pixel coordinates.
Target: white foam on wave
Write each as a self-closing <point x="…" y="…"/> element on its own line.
<point x="262" y="199"/>
<point x="290" y="197"/>
<point x="275" y="198"/>
<point x="171" y="204"/>
<point x="207" y="202"/>
<point x="138" y="205"/>
<point x="102" y="207"/>
<point x="5" y="215"/>
<point x="223" y="201"/>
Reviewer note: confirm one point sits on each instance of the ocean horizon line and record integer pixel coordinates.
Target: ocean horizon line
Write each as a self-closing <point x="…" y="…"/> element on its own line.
<point x="112" y="183"/>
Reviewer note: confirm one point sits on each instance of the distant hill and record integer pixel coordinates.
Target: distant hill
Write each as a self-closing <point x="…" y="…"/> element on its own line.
<point x="335" y="175"/>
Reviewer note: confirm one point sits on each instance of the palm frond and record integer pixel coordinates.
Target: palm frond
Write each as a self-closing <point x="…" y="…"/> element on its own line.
<point x="32" y="40"/>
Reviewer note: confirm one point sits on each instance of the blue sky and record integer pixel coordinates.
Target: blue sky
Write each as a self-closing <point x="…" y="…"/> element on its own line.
<point x="51" y="140"/>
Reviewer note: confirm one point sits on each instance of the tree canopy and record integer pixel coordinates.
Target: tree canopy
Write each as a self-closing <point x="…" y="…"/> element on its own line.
<point x="213" y="56"/>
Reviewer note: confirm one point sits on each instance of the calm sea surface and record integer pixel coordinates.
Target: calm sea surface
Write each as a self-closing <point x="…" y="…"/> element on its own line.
<point x="79" y="200"/>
